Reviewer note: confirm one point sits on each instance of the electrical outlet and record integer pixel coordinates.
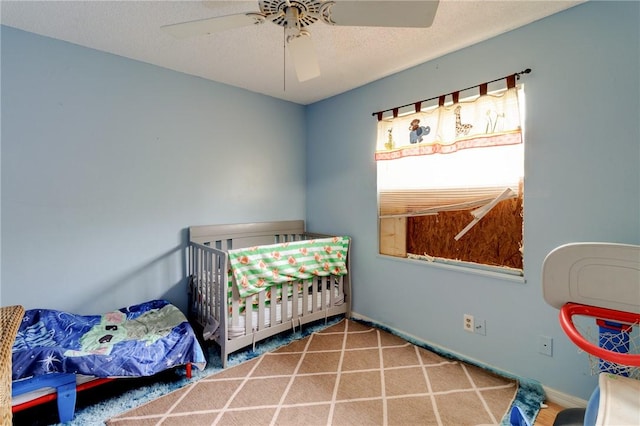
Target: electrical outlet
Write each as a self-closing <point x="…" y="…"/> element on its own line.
<point x="545" y="345"/>
<point x="468" y="323"/>
<point x="480" y="326"/>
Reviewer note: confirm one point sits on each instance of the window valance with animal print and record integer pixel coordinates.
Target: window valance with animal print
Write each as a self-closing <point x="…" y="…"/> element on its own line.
<point x="486" y="119"/>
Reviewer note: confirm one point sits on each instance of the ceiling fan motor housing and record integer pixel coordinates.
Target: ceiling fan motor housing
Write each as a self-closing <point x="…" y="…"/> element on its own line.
<point x="304" y="12"/>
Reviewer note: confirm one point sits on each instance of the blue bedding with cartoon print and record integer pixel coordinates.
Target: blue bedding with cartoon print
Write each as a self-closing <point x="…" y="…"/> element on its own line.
<point x="139" y="340"/>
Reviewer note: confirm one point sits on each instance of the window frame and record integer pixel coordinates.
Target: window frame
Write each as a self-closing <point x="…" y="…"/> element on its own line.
<point x="392" y="234"/>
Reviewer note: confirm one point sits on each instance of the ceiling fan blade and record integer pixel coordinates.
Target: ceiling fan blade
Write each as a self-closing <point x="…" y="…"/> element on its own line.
<point x="415" y="14"/>
<point x="212" y="25"/>
<point x="303" y="55"/>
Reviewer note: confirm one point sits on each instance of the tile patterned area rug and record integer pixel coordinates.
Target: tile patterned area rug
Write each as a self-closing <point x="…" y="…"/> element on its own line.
<point x="349" y="373"/>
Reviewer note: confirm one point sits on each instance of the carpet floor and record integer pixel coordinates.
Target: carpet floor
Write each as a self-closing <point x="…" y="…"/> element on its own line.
<point x="348" y="374"/>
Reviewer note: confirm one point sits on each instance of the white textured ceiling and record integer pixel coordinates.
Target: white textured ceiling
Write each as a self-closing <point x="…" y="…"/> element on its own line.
<point x="253" y="57"/>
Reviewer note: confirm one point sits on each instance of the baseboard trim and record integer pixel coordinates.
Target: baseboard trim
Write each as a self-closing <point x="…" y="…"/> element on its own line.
<point x="436" y="347"/>
<point x="552" y="395"/>
<point x="357" y="316"/>
<point x="563" y="399"/>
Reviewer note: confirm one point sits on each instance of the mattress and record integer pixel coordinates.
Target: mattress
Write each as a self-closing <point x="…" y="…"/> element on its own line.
<point x="239" y="329"/>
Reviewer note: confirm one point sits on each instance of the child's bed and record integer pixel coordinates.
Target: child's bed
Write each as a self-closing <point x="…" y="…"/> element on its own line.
<point x="56" y="353"/>
<point x="287" y="277"/>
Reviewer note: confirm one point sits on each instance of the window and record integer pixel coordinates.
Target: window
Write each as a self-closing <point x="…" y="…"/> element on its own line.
<point x="450" y="181"/>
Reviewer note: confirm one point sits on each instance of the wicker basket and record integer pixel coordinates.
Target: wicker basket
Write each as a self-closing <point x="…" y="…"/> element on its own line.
<point x="10" y="317"/>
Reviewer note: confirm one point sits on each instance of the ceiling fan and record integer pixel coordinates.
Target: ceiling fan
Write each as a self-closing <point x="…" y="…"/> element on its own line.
<point x="296" y="15"/>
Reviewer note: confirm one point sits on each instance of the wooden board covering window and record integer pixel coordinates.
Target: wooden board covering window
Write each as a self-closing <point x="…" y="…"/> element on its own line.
<point x="393" y="236"/>
<point x="495" y="240"/>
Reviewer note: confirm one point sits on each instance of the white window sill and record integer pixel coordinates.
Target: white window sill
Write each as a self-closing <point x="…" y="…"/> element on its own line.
<point x="465" y="268"/>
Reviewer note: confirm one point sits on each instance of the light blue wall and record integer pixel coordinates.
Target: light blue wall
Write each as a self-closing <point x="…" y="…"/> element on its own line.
<point x="106" y="162"/>
<point x="582" y="184"/>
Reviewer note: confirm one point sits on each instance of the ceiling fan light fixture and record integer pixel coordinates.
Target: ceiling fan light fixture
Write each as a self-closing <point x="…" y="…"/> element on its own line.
<point x="277" y="11"/>
<point x="291" y="17"/>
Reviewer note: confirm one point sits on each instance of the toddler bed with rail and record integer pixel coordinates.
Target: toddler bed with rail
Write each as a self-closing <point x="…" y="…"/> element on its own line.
<point x="250" y="281"/>
<point x="57" y="353"/>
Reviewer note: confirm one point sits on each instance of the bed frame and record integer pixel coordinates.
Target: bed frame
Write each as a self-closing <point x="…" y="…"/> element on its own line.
<point x="31" y="389"/>
<point x="210" y="299"/>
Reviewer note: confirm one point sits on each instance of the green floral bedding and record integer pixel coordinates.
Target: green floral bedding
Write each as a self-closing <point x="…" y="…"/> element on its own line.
<point x="256" y="269"/>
